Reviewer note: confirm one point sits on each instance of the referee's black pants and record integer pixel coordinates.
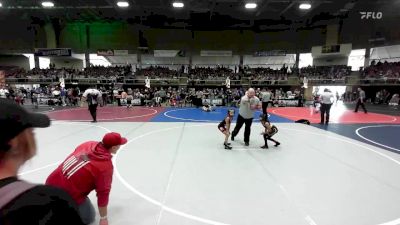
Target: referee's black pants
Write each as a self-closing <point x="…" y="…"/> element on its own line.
<point x="360" y="103"/>
<point x="264" y="107"/>
<point x="325" y="109"/>
<point x="93" y="111"/>
<point x="247" y="129"/>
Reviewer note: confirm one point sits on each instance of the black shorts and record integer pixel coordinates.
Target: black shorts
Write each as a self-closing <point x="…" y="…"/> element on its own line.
<point x="222" y="129"/>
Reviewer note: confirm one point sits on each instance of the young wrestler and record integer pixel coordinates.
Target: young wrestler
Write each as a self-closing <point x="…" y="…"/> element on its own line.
<point x="225" y="126"/>
<point x="208" y="108"/>
<point x="270" y="130"/>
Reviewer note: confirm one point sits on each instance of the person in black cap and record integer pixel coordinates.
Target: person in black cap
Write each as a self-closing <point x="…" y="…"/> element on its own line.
<point x="22" y="202"/>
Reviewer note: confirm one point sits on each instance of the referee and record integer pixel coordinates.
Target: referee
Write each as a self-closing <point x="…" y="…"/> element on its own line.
<point x="92" y="95"/>
<point x="326" y="103"/>
<point x="361" y="100"/>
<point x="266" y="99"/>
<point x="249" y="103"/>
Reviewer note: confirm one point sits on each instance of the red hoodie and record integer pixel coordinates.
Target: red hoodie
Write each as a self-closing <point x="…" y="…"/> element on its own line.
<point x="88" y="168"/>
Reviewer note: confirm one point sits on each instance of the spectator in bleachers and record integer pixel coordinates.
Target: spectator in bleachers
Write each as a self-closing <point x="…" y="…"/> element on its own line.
<point x="263" y="74"/>
<point x="154" y="72"/>
<point x="324" y="72"/>
<point x="4" y="92"/>
<point x="386" y="71"/>
<point x="209" y="73"/>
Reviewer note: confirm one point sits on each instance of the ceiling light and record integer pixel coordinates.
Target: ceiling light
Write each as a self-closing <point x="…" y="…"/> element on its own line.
<point x="250" y="5"/>
<point x="1" y="4"/>
<point x="178" y="5"/>
<point x="48" y="4"/>
<point x="305" y="6"/>
<point x="123" y="4"/>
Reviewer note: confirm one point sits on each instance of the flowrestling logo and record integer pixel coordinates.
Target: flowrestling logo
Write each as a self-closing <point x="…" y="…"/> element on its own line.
<point x="371" y="15"/>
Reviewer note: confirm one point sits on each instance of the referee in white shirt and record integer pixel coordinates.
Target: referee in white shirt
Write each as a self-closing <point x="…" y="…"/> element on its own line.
<point x="361" y="100"/>
<point x="266" y="99"/>
<point x="326" y="103"/>
<point x="249" y="104"/>
<point x="92" y="95"/>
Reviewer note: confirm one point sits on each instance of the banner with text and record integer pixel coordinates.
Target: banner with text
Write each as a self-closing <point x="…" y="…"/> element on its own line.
<point x="121" y="52"/>
<point x="270" y="53"/>
<point x="215" y="53"/>
<point x="165" y="53"/>
<point x="111" y="52"/>
<point x="217" y="101"/>
<point x="104" y="52"/>
<point x="53" y="52"/>
<point x="134" y="102"/>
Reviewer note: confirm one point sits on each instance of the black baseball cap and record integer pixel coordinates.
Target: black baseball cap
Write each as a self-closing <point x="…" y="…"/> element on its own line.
<point x="14" y="119"/>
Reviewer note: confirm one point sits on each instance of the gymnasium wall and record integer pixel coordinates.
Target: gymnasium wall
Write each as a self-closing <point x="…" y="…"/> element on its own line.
<point x="177" y="61"/>
<point x="167" y="39"/>
<point x="116" y="35"/>
<point x="215" y="60"/>
<point x="62" y="62"/>
<point x="16" y="36"/>
<point x="331" y="61"/>
<point x="14" y="60"/>
<point x="24" y="35"/>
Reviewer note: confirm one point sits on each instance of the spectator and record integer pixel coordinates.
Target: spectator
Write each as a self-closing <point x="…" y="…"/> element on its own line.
<point x="266" y="99"/>
<point x="22" y="202"/>
<point x="4" y="92"/>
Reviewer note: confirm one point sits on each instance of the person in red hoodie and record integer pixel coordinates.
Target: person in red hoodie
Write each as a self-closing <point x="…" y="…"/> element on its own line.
<point x="89" y="168"/>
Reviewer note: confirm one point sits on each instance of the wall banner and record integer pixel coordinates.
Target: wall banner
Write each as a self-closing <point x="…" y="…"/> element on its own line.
<point x="53" y="52"/>
<point x="215" y="53"/>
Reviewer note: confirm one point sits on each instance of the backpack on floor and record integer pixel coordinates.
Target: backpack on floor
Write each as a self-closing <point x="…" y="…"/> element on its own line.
<point x="303" y="121"/>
